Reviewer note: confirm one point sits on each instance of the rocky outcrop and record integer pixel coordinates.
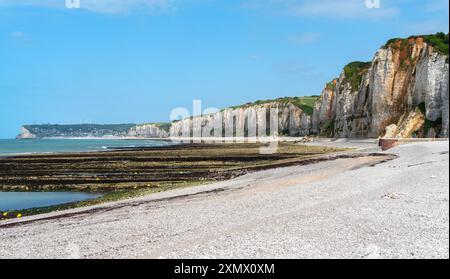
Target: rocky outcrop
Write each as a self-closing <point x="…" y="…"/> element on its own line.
<point x="26" y="134"/>
<point x="405" y="76"/>
<point x="367" y="98"/>
<point x="408" y="125"/>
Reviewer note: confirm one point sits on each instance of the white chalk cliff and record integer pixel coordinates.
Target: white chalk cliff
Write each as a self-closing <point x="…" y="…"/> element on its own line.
<point x="148" y="131"/>
<point x="403" y="76"/>
<point x="248" y="120"/>
<point x="403" y="92"/>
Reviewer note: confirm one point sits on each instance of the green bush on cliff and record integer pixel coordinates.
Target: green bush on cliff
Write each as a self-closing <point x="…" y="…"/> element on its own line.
<point x="331" y="85"/>
<point x="304" y="103"/>
<point x="354" y="73"/>
<point x="439" y="41"/>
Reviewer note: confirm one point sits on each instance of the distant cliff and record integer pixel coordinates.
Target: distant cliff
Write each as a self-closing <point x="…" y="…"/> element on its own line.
<point x="151" y="130"/>
<point x="158" y="130"/>
<point x="292" y="116"/>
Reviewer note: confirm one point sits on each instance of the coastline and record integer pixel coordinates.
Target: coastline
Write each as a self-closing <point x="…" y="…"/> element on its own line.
<point x="316" y="205"/>
<point x="36" y="146"/>
<point x="134" y="171"/>
<point x="339" y="149"/>
<point x="97" y="138"/>
<point x="354" y="160"/>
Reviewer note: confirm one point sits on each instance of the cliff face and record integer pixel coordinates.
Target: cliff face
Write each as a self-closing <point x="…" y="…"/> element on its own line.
<point x="250" y="120"/>
<point x="405" y="75"/>
<point x="26" y="134"/>
<point x="148" y="131"/>
<point x="403" y="92"/>
<point x="322" y="119"/>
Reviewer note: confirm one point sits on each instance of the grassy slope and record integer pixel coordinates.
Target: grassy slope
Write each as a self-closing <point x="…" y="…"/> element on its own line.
<point x="354" y="72"/>
<point x="439" y="41"/>
<point x="304" y="103"/>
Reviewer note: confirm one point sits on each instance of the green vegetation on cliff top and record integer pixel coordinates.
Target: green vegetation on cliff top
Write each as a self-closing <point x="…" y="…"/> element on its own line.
<point x="354" y="72"/>
<point x="163" y="125"/>
<point x="439" y="41"/>
<point x="331" y="85"/>
<point x="304" y="103"/>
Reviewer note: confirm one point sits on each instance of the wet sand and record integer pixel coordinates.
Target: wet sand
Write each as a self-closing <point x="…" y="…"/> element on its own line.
<point x="144" y="167"/>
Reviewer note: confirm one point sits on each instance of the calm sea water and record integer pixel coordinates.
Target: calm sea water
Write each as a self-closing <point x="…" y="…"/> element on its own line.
<point x="27" y="146"/>
<point x="21" y="200"/>
<point x="25" y="200"/>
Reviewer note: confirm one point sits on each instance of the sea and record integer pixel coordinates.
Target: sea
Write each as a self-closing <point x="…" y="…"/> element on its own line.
<point x="27" y="200"/>
<point x="35" y="146"/>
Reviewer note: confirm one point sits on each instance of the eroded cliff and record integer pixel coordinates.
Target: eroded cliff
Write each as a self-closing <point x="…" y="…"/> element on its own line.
<point x="405" y="88"/>
<point x="406" y="76"/>
<point x="285" y="116"/>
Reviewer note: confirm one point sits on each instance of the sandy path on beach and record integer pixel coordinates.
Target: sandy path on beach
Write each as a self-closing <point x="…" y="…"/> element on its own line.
<point x="340" y="209"/>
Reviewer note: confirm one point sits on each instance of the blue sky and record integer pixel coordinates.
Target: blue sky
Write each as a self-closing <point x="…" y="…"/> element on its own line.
<point x="134" y="61"/>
